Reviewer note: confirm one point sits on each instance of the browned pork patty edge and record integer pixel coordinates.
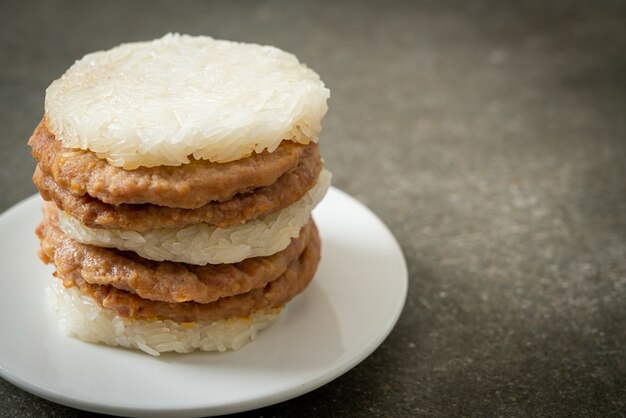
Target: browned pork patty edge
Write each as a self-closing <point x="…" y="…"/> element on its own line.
<point x="188" y="186"/>
<point x="164" y="281"/>
<point x="288" y="189"/>
<point x="275" y="294"/>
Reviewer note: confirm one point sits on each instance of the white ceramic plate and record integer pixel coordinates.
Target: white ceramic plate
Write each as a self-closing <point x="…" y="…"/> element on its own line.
<point x="348" y="310"/>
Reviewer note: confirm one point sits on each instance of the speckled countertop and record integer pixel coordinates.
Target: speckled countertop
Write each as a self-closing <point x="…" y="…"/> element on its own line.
<point x="490" y="137"/>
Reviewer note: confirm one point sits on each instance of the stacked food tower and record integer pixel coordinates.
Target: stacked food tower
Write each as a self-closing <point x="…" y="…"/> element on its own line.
<point x="179" y="177"/>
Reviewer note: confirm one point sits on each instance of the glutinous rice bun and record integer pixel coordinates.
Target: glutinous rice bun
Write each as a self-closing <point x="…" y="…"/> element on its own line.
<point x="133" y="104"/>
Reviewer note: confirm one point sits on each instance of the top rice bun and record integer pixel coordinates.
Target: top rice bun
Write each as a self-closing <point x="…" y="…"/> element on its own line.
<point x="160" y="102"/>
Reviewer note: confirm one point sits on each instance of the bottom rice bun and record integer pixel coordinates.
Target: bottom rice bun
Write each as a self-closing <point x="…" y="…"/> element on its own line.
<point x="114" y="314"/>
<point x="80" y="316"/>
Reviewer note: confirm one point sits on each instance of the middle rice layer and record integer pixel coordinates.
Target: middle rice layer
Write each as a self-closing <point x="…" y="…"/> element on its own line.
<point x="203" y="243"/>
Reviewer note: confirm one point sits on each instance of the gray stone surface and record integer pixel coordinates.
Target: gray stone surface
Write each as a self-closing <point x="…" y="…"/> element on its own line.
<point x="490" y="136"/>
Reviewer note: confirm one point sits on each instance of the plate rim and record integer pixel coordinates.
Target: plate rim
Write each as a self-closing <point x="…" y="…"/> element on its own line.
<point x="233" y="406"/>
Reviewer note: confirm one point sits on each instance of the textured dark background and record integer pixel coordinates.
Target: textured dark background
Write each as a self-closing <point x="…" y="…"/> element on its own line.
<point x="490" y="137"/>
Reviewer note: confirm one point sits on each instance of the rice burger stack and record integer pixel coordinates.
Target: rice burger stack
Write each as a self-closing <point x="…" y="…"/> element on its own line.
<point x="179" y="177"/>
